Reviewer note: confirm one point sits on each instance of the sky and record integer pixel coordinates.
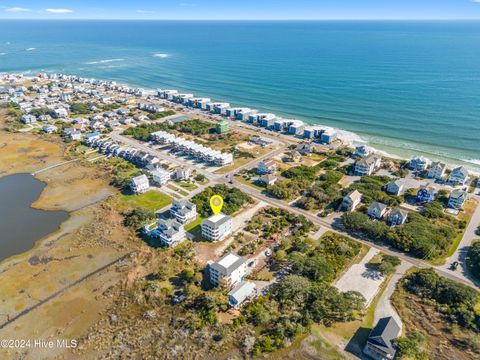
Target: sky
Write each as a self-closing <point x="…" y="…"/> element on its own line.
<point x="240" y="9"/>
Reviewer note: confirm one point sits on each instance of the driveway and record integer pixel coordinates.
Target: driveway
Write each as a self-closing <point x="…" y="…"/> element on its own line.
<point x="359" y="278"/>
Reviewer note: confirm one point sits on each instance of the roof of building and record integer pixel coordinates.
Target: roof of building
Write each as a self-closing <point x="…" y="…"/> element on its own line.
<point x="243" y="290"/>
<point x="457" y="193"/>
<point x="368" y="160"/>
<point x="384" y="333"/>
<point x="228" y="263"/>
<point x="377" y="205"/>
<point x="215" y="221"/>
<point x="355" y="195"/>
<point x="399" y="212"/>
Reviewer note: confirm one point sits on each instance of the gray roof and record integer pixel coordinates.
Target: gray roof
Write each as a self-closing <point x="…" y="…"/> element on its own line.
<point x="384" y="333"/>
<point x="216" y="224"/>
<point x="243" y="290"/>
<point x="231" y="267"/>
<point x="399" y="212"/>
<point x="379" y="206"/>
<point x="457" y="193"/>
<point x="368" y="160"/>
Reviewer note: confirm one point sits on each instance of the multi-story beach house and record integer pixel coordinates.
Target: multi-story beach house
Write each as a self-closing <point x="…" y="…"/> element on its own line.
<point x="395" y="187"/>
<point x="216" y="227"/>
<point x="140" y="184"/>
<point x="367" y="165"/>
<point x="437" y="170"/>
<point x="267" y="167"/>
<point x="397" y="217"/>
<point x="263" y="119"/>
<point x="362" y="151"/>
<point x="328" y="136"/>
<point x="169" y="232"/>
<point x="312" y="132"/>
<point x="351" y="201"/>
<point x="419" y="163"/>
<point x="458" y="176"/>
<point x="457" y="199"/>
<point x="183" y="211"/>
<point x="161" y="176"/>
<point x="296" y="127"/>
<point x="377" y="210"/>
<point x="426" y="194"/>
<point x="228" y="271"/>
<point x="183" y="173"/>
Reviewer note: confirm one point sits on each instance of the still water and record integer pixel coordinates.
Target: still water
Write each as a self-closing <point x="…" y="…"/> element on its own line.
<point x="20" y="224"/>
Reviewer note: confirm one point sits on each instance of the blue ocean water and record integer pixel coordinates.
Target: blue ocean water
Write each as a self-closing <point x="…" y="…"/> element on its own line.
<point x="404" y="87"/>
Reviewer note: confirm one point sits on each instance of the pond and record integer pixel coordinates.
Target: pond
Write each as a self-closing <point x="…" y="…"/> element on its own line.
<point x="20" y="224"/>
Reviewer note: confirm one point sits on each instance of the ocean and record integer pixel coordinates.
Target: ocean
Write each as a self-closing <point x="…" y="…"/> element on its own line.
<point x="402" y="87"/>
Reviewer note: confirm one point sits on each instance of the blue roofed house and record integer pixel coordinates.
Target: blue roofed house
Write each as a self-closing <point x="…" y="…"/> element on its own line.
<point x="426" y="194"/>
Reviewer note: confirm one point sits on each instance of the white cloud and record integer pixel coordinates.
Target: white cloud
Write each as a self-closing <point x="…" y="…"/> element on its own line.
<point x="17" y="9"/>
<point x="59" y="11"/>
<point x="144" y="12"/>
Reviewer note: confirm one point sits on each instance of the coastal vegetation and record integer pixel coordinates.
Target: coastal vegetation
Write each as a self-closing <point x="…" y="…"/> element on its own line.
<point x="440" y="316"/>
<point x="297" y="180"/>
<point x="372" y="189"/>
<point x="233" y="199"/>
<point x="305" y="296"/>
<point x="323" y="192"/>
<point x="161" y="114"/>
<point x="193" y="127"/>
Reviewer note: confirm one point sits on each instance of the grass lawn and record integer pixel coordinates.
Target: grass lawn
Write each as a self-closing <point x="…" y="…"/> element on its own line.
<point x="195" y="228"/>
<point x="152" y="200"/>
<point x="198" y="221"/>
<point x="186" y="185"/>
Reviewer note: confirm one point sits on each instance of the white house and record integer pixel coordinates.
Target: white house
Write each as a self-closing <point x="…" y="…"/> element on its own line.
<point x="367" y="165"/>
<point x="183" y="211"/>
<point x="362" y="151"/>
<point x="458" y="176"/>
<point x="457" y="199"/>
<point x="169" y="232"/>
<point x="437" y="170"/>
<point x="49" y="129"/>
<point x="418" y="163"/>
<point x="377" y="210"/>
<point x="160" y="176"/>
<point x="216" y="227"/>
<point x="140" y="184"/>
<point x="242" y="292"/>
<point x="183" y="173"/>
<point x="228" y="271"/>
<point x="351" y="201"/>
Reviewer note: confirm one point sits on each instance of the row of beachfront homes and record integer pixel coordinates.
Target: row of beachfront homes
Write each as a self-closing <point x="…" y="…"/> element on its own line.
<point x="267" y="120"/>
<point x="370" y="162"/>
<point x="170" y="232"/>
<point x="191" y="148"/>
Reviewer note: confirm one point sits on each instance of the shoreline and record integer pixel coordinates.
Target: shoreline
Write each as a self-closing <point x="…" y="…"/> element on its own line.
<point x="347" y="137"/>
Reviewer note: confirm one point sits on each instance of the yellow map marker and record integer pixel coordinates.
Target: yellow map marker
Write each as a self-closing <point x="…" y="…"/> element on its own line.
<point x="216" y="203"/>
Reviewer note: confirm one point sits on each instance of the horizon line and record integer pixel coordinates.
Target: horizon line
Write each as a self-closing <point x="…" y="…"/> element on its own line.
<point x="242" y="20"/>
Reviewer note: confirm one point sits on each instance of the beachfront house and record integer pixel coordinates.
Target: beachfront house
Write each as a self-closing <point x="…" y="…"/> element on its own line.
<point x="140" y="184"/>
<point x="263" y="119"/>
<point x="161" y="177"/>
<point x="169" y="232"/>
<point x="418" y="163"/>
<point x="380" y="343"/>
<point x="367" y="165"/>
<point x="280" y="124"/>
<point x="228" y="271"/>
<point x="296" y="127"/>
<point x="437" y="170"/>
<point x="457" y="199"/>
<point x="216" y="227"/>
<point x="397" y="217"/>
<point x="267" y="167"/>
<point x="377" y="210"/>
<point x="312" y="132"/>
<point x="426" y="194"/>
<point x="242" y="292"/>
<point x="395" y="187"/>
<point x="458" y="176"/>
<point x="362" y="151"/>
<point x="183" y="211"/>
<point x="351" y="201"/>
<point x="328" y="137"/>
